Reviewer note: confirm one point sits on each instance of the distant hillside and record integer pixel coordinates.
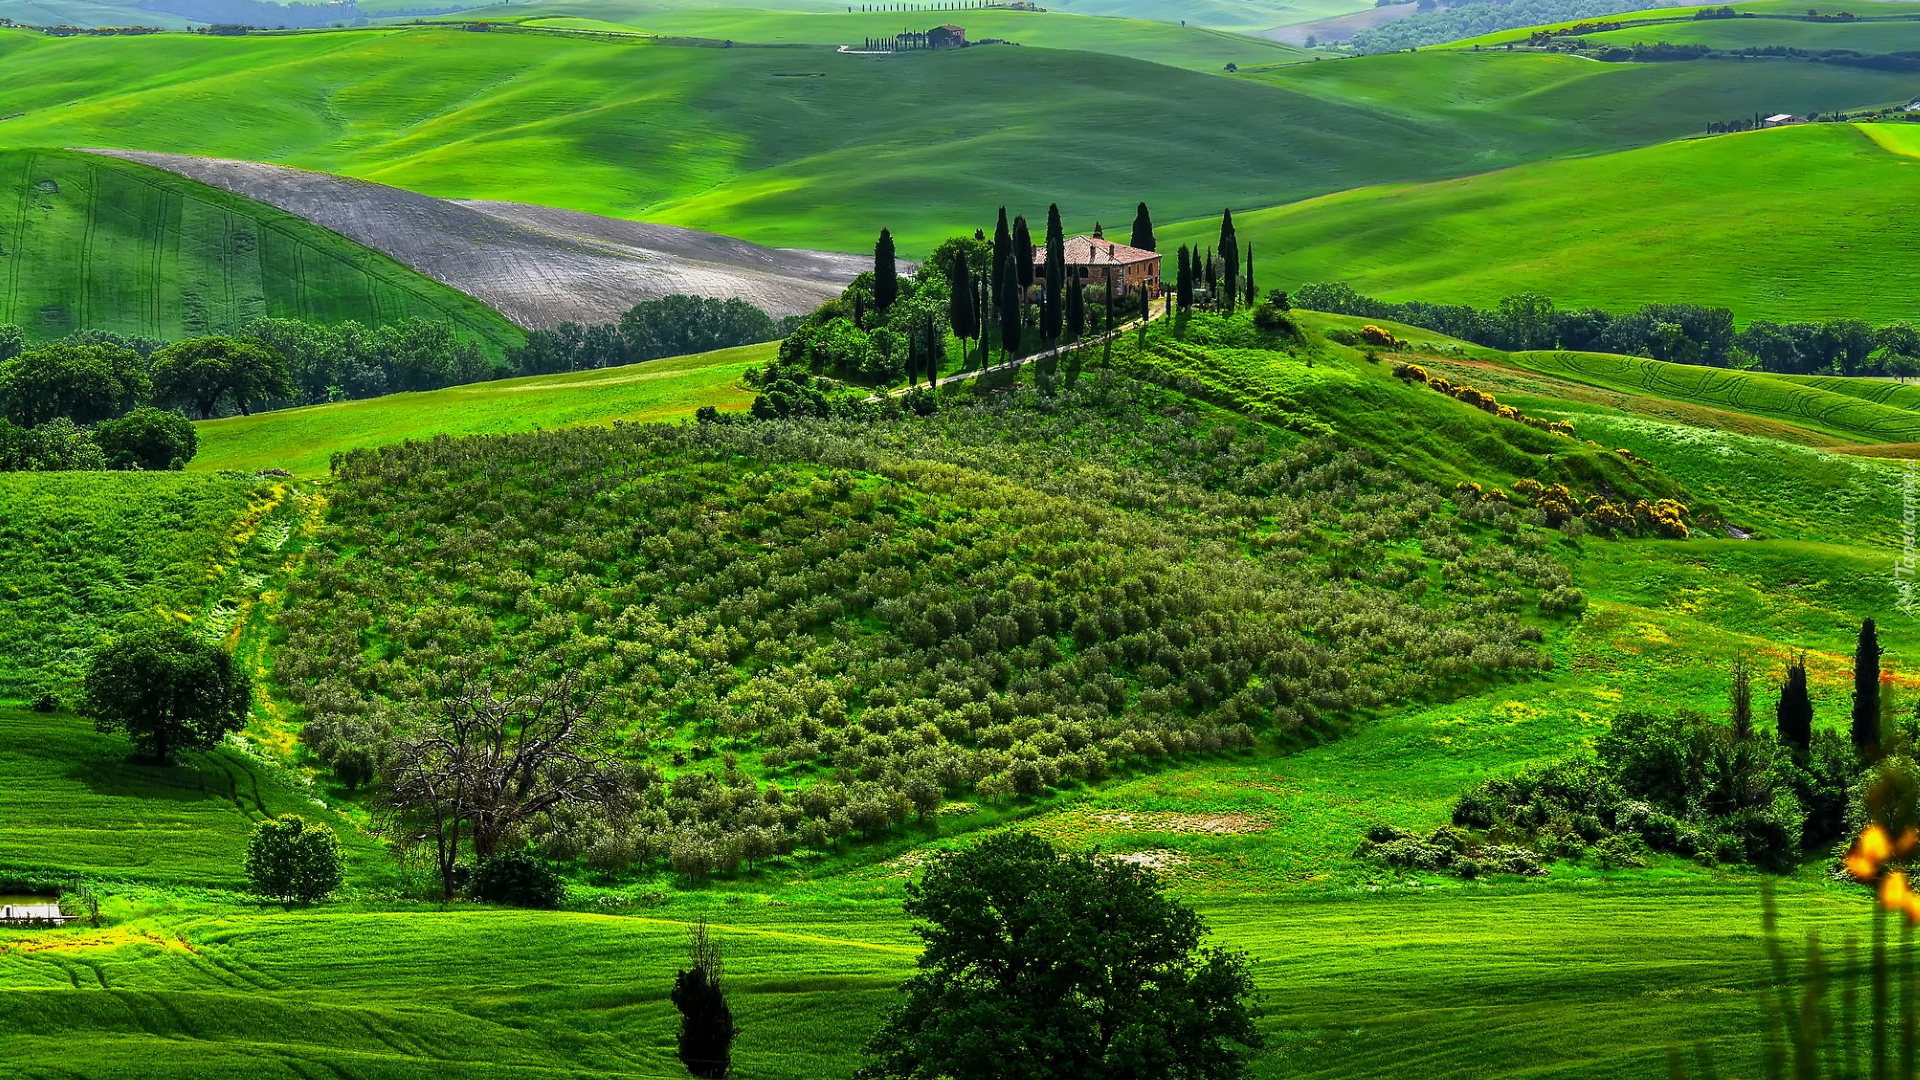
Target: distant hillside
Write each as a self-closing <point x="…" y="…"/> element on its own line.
<point x="94" y="243"/>
<point x="1803" y="222"/>
<point x="745" y="141"/>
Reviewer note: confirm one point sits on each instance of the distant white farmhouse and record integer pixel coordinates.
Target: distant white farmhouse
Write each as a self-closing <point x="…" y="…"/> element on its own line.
<point x="1778" y="119"/>
<point x="32" y="913"/>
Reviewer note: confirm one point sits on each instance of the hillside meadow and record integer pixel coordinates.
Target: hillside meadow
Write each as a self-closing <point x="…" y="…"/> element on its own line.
<point x="1483" y="978"/>
<point x="95" y="243"/>
<point x="1700" y="221"/>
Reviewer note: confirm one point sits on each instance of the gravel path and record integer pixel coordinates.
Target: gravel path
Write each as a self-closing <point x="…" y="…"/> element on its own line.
<point x="536" y="265"/>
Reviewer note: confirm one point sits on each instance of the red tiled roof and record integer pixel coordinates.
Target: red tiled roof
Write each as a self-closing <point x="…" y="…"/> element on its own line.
<point x="1086" y="251"/>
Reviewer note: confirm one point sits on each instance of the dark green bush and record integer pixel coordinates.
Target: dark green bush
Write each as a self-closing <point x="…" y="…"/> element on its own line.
<point x="518" y="878"/>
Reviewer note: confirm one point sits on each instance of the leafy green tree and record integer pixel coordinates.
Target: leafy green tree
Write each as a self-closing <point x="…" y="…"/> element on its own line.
<point x="294" y="862"/>
<point x="82" y="383"/>
<point x="1793" y="716"/>
<point x="147" y="438"/>
<point x="677" y="326"/>
<point x="1143" y="230"/>
<point x="1052" y="303"/>
<point x="886" y="273"/>
<point x="166" y="688"/>
<point x="707" y="1029"/>
<point x="1866" y="692"/>
<point x="1527" y="320"/>
<point x="55" y="446"/>
<point x="13" y="341"/>
<point x="1229" y="254"/>
<point x="207" y="372"/>
<point x="1070" y="964"/>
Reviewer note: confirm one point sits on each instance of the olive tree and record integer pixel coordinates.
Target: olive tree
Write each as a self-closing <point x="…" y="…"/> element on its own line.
<point x="293" y="861"/>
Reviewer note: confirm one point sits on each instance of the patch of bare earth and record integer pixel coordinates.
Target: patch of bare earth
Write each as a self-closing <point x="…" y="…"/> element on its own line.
<point x="537" y="265"/>
<point x="1169" y="821"/>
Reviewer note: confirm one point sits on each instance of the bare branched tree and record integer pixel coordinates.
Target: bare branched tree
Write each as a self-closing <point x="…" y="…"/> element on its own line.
<point x="483" y="764"/>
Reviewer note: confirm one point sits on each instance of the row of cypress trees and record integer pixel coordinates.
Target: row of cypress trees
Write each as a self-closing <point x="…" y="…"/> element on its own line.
<point x="1195" y="269"/>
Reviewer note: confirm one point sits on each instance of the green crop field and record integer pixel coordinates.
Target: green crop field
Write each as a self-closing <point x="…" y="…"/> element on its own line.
<point x="741" y="140"/>
<point x="1877" y="9"/>
<point x="1731" y="34"/>
<point x="304" y="440"/>
<point x="86" y="13"/>
<point x="1699" y="221"/>
<point x="93" y="243"/>
<point x="1192" y="47"/>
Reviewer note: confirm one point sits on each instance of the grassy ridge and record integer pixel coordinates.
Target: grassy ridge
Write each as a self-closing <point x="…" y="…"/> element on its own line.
<point x="95" y="243"/>
<point x="302" y="440"/>
<point x="1785" y="8"/>
<point x="1866" y="37"/>
<point x="1701" y="221"/>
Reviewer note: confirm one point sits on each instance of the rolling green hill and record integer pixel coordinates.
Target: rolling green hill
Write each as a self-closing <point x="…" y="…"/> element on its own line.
<point x="1485" y="978"/>
<point x="1877" y="9"/>
<point x="1706" y="221"/>
<point x="743" y="140"/>
<point x="1732" y="34"/>
<point x="93" y="243"/>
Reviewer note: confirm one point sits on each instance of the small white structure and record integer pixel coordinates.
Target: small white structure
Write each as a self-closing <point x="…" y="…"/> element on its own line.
<point x="32" y="913"/>
<point x="1915" y="107"/>
<point x="1779" y="119"/>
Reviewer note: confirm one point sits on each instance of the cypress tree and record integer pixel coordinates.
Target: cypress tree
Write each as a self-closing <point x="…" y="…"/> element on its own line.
<point x="1183" y="280"/>
<point x="1052" y="302"/>
<point x="1023" y="255"/>
<point x="1793" y="717"/>
<point x="1076" y="311"/>
<point x="1143" y="230"/>
<point x="1002" y="252"/>
<point x="1866" y="692"/>
<point x="1742" y="699"/>
<point x="886" y="274"/>
<point x="1010" y="310"/>
<point x="960" y="296"/>
<point x="707" y="1030"/>
<point x="1252" y="293"/>
<point x="1213" y="280"/>
<point x="982" y="313"/>
<point x="1230" y="254"/>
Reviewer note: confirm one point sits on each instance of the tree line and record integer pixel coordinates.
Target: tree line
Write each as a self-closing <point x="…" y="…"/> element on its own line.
<point x="651" y="330"/>
<point x="1678" y="333"/>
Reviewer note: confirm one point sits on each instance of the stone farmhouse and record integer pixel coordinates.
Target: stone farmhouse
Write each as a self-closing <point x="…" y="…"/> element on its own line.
<point x="1090" y="258"/>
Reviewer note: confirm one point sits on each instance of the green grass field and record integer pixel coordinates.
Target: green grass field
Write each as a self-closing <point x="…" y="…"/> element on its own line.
<point x="93" y="243"/>
<point x="302" y="440"/>
<point x="742" y="140"/>
<point x="1190" y="47"/>
<point x="1699" y="221"/>
<point x="1732" y="34"/>
<point x="1877" y="9"/>
<point x="78" y="550"/>
<point x="1587" y="973"/>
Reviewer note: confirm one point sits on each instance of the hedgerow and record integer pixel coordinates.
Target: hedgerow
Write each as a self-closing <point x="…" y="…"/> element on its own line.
<point x="806" y="630"/>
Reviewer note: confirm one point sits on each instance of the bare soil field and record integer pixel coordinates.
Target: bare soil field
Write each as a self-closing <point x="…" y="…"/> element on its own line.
<point x="1339" y="28"/>
<point x="536" y="265"/>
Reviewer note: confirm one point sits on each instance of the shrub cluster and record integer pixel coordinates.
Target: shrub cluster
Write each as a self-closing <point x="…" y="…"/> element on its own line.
<point x="814" y="630"/>
<point x="1477" y="398"/>
<point x="1661" y="517"/>
<point x="1446" y="850"/>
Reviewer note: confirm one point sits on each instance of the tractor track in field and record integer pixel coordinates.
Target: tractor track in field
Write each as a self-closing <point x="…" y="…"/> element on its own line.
<point x="539" y="266"/>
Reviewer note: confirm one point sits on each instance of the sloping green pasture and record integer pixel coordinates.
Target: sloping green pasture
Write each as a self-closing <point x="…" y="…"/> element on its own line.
<point x="1886" y="36"/>
<point x="303" y="440"/>
<point x="1706" y="221"/>
<point x="1879" y="9"/>
<point x="92" y="243"/>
